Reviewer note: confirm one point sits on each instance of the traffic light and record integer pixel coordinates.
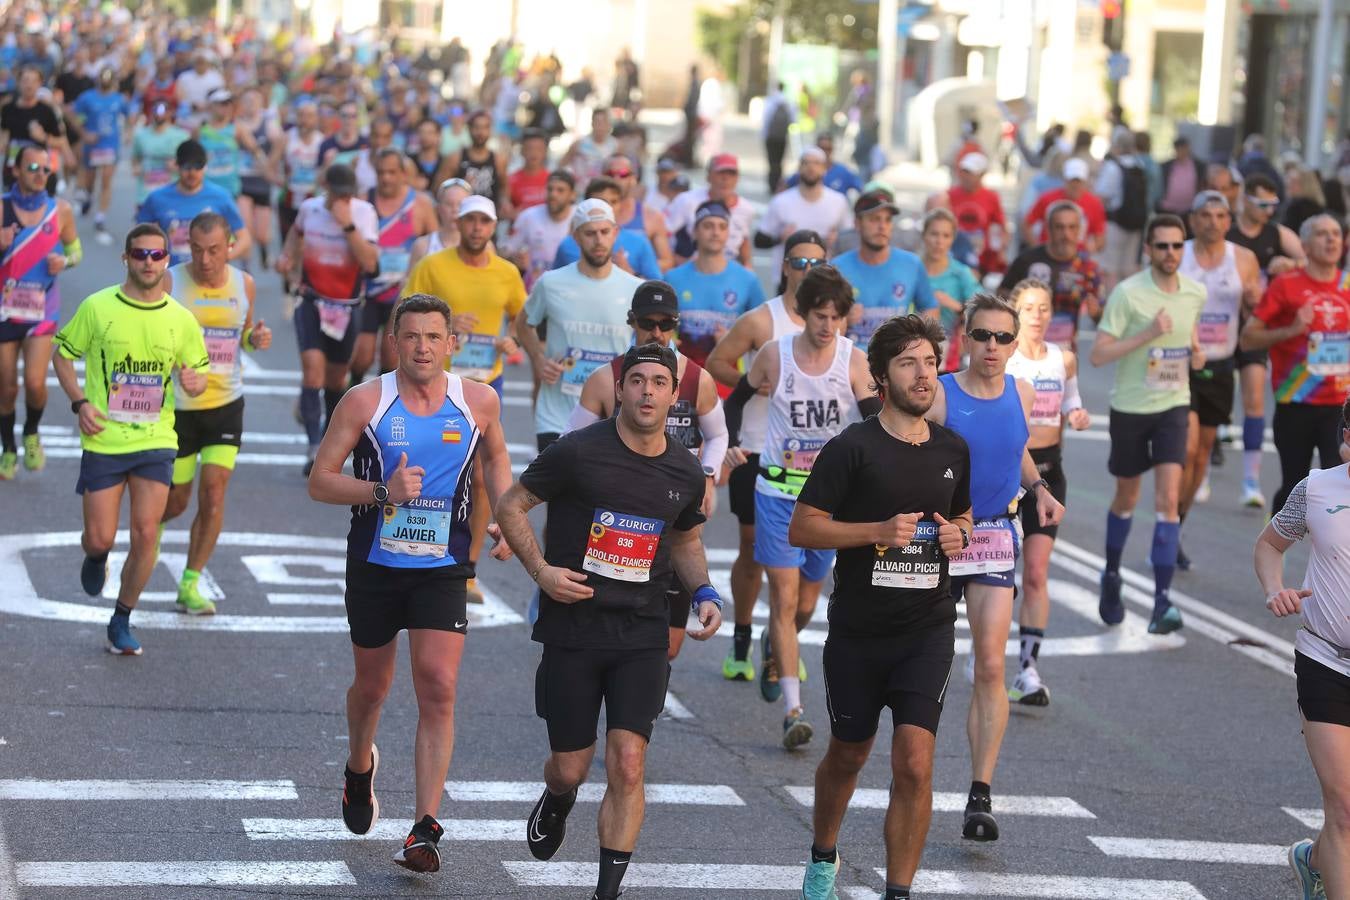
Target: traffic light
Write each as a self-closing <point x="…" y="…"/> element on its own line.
<point x="1113" y="23"/>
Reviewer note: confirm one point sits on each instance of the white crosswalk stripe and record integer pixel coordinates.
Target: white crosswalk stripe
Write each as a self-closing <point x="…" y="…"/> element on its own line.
<point x="1058" y="887"/>
<point x="384" y="830"/>
<point x="676" y="876"/>
<point x="1192" y="851"/>
<point x="184" y="874"/>
<point x="36" y="789"/>
<point x="528" y="792"/>
<point x="1313" y="818"/>
<point x="952" y="801"/>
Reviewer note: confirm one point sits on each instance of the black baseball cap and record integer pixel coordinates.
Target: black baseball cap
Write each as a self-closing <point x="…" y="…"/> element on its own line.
<point x="190" y="155"/>
<point x="655" y="297"/>
<point x="803" y="236"/>
<point x="650" y="353"/>
<point x="872" y="201"/>
<point x="340" y="180"/>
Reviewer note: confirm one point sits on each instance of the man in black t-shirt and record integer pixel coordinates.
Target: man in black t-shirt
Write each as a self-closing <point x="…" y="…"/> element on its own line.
<point x="892" y="617"/>
<point x="1061" y="262"/>
<point x="28" y="120"/>
<point x="623" y="516"/>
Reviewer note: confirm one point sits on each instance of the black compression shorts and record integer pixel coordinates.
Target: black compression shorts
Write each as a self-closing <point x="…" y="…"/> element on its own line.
<point x="382" y="601"/>
<point x="908" y="673"/>
<point x="571" y="684"/>
<point x="1049" y="463"/>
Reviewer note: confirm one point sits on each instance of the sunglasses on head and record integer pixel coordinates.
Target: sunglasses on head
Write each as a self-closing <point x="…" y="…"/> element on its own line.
<point x="665" y="325"/>
<point x="982" y="336"/>
<point x="1262" y="204"/>
<point x="1169" y="245"/>
<point x="141" y="254"/>
<point x="804" y="263"/>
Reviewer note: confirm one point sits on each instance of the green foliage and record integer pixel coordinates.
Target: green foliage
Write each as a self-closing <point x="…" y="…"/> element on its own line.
<point x="837" y="23"/>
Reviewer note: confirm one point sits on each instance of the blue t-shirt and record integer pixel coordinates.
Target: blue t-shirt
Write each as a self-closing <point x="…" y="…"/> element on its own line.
<point x="641" y="257"/>
<point x="838" y="177"/>
<point x="102" y="114"/>
<point x="959" y="283"/>
<point x="897" y="287"/>
<point x="171" y="209"/>
<point x="711" y="302"/>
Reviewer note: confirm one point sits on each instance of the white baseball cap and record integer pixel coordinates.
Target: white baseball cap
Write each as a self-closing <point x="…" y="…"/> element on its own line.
<point x="476" y="203"/>
<point x="1076" y="170"/>
<point x="592" y="210"/>
<point x="976" y="163"/>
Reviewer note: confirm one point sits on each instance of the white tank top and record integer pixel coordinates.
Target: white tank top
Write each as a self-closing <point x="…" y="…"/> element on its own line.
<point x="434" y="244"/>
<point x="1218" y="323"/>
<point x="756" y="412"/>
<point x="805" y="411"/>
<point x="1049" y="377"/>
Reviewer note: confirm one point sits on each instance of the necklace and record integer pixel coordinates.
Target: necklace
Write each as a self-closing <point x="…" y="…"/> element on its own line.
<point x="914" y="439"/>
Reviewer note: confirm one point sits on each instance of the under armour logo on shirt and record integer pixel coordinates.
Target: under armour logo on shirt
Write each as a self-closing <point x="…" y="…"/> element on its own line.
<point x="674" y="495"/>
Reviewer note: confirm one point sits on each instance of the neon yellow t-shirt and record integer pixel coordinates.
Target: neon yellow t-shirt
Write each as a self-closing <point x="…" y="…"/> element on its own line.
<point x="491" y="293"/>
<point x="130" y="350"/>
<point x="221" y="312"/>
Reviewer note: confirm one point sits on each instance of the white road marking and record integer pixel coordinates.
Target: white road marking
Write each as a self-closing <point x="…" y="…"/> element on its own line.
<point x="87" y="789"/>
<point x="528" y="792"/>
<point x="277" y="599"/>
<point x="183" y="874"/>
<point x="951" y="801"/>
<point x="332" y="829"/>
<point x="1313" y="818"/>
<point x="1059" y="887"/>
<point x="8" y="885"/>
<point x="173" y="563"/>
<point x="1193" y="851"/>
<point x="683" y="876"/>
<point x="674" y="708"/>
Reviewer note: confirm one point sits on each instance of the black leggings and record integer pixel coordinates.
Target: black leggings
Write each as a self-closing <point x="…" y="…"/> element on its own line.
<point x="1301" y="428"/>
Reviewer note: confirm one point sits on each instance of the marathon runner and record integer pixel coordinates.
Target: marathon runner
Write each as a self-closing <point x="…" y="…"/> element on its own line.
<point x="1065" y="264"/>
<point x="1321" y="654"/>
<point x="40" y="242"/>
<point x="586" y="157"/>
<point x="28" y="119"/>
<point x="449" y="196"/>
<point x="633" y="215"/>
<point x="632" y="251"/>
<point x="132" y="336"/>
<point x="381" y="138"/>
<point x="892" y="617"/>
<point x="808" y="205"/>
<point x="1150" y="329"/>
<point x="817" y="384"/>
<point x="412" y="435"/>
<point x="102" y="112"/>
<point x="1304" y="320"/>
<point x="765" y="324"/>
<point x="1277" y="250"/>
<point x="174" y="206"/>
<point x="1054" y="375"/>
<point x="219" y="136"/>
<point x="334" y="248"/>
<point x="585" y="305"/>
<point x="478" y="165"/>
<point x="539" y="229"/>
<point x="210" y="425"/>
<point x="486" y="294"/>
<point x="695" y="421"/>
<point x="887" y="281"/>
<point x="713" y="290"/>
<point x="261" y="144"/>
<point x="427" y="157"/>
<point x="404" y="216"/>
<point x="528" y="185"/>
<point x="154" y="146"/>
<point x="952" y="281"/>
<point x="990" y="409"/>
<point x="1232" y="283"/>
<point x="300" y="162"/>
<point x="344" y="145"/>
<point x="723" y="177"/>
<point x="624" y="518"/>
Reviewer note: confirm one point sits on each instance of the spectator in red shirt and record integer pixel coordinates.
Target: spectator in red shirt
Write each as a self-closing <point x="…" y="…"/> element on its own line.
<point x="978" y="211"/>
<point x="528" y="185"/>
<point x="1076" y="174"/>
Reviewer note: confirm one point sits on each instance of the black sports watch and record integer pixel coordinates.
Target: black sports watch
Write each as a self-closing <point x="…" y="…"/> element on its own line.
<point x="349" y="228"/>
<point x="75" y="405"/>
<point x="965" y="537"/>
<point x="381" y="492"/>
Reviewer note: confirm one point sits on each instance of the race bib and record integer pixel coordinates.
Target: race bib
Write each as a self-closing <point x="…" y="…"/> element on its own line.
<point x="1168" y="368"/>
<point x="622" y="547"/>
<point x="23" y="301"/>
<point x="991" y="549"/>
<point x="179" y="245"/>
<point x="1045" y="409"/>
<point x="135" y="399"/>
<point x="157" y="177"/>
<point x="394" y="261"/>
<point x="1213" y="330"/>
<point x="800" y="453"/>
<point x="102" y="156"/>
<point x="420" y="527"/>
<point x="1329" y="353"/>
<point x="334" y="318"/>
<point x="222" y="348"/>
<point x="916" y="566"/>
<point x="1061" y="330"/>
<point x="578" y="364"/>
<point x="476" y="358"/>
<point x="303" y="179"/>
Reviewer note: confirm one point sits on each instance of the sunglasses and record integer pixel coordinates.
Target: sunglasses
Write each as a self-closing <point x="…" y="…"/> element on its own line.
<point x="141" y="254"/>
<point x="1262" y="204"/>
<point x="982" y="336"/>
<point x="664" y="325"/>
<point x="804" y="263"/>
<point x="618" y="173"/>
<point x="1168" y="245"/>
<point x="191" y="167"/>
<point x="37" y="167"/>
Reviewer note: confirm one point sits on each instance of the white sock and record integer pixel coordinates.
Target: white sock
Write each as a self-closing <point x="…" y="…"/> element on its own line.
<point x="792" y="693"/>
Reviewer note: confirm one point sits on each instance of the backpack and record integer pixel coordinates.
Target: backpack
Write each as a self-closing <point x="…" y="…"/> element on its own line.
<point x="1132" y="214"/>
<point x="780" y="122"/>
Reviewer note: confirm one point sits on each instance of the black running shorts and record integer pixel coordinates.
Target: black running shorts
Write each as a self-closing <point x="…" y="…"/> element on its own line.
<point x="309" y="334"/>
<point x="741" y="488"/>
<point x="198" y="428"/>
<point x="382" y="601"/>
<point x="908" y="673"/>
<point x="571" y="684"/>
<point x="1247" y="358"/>
<point x="1212" y="393"/>
<point x="1049" y="463"/>
<point x="1140" y="441"/>
<point x="375" y="315"/>
<point x="1323" y="693"/>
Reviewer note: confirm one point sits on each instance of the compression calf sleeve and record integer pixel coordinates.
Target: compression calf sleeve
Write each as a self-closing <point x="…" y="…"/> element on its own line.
<point x="34" y="417"/>
<point x="1253" y="434"/>
<point x="1166" y="536"/>
<point x="310" y="412"/>
<point x="7" y="433"/>
<point x="1117" y="533"/>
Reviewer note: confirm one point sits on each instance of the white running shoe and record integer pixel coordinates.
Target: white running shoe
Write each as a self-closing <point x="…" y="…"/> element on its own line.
<point x="1251" y="495"/>
<point x="1028" y="690"/>
<point x="1202" y="492"/>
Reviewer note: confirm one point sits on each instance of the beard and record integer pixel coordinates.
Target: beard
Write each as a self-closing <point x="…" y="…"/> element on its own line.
<point x="474" y="247"/>
<point x="811" y="181"/>
<point x="141" y="283"/>
<point x="596" y="260"/>
<point x="908" y="405"/>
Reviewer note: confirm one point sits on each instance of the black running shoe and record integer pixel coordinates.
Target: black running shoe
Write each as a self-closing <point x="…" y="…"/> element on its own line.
<point x="1183" y="561"/>
<point x="1109" y="606"/>
<point x="360" y="809"/>
<point x="93" y="575"/>
<point x="979" y="824"/>
<point x="1216" y="455"/>
<point x="419" y="853"/>
<point x="544" y="831"/>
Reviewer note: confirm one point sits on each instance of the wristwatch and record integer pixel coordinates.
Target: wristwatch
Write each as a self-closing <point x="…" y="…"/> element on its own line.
<point x="965" y="537"/>
<point x="349" y="228"/>
<point x="1038" y="483"/>
<point x="75" y="406"/>
<point x="381" y="492"/>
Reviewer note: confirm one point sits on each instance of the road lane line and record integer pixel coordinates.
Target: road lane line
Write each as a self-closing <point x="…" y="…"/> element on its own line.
<point x="8" y="885"/>
<point x="1193" y="851"/>
<point x="1313" y="818"/>
<point x="100" y="790"/>
<point x="278" y="599"/>
<point x="951" y="801"/>
<point x="528" y="792"/>
<point x="184" y="874"/>
<point x="1058" y="887"/>
<point x="674" y="708"/>
<point x="331" y="829"/>
<point x="682" y="876"/>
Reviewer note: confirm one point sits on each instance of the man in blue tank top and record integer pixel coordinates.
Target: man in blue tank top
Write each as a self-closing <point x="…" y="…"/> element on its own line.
<point x="412" y="435"/>
<point x="990" y="409"/>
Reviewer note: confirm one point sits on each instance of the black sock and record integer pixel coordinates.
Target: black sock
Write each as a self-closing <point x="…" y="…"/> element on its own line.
<point x="828" y="856"/>
<point x="560" y="804"/>
<point x="330" y="402"/>
<point x="897" y="891"/>
<point x="30" y="423"/>
<point x="122" y="610"/>
<point x="740" y="642"/>
<point x="7" y="433"/>
<point x="979" y="789"/>
<point x="613" y="866"/>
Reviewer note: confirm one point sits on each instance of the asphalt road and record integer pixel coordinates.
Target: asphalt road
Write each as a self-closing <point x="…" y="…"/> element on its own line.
<point x="211" y="766"/>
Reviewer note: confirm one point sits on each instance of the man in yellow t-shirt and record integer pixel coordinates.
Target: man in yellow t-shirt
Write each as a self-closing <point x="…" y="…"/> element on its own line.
<point x="486" y="294"/>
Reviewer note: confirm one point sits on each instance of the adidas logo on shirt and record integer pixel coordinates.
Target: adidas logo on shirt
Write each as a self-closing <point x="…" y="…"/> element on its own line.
<point x="948" y="474"/>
